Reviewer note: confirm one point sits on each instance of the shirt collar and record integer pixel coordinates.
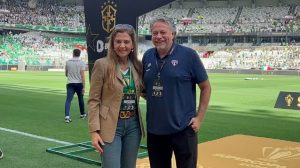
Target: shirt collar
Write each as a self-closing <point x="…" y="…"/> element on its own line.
<point x="169" y="53"/>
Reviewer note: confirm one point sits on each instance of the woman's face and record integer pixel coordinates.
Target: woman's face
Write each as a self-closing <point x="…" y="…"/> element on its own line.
<point x="123" y="45"/>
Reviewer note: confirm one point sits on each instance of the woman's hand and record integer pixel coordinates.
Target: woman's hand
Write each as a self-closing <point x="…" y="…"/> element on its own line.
<point x="97" y="142"/>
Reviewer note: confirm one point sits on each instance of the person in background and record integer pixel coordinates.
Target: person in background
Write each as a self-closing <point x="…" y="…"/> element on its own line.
<point x="114" y="118"/>
<point x="171" y="73"/>
<point x="74" y="72"/>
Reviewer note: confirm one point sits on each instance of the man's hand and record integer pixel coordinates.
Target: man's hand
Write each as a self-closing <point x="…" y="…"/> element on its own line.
<point x="195" y="124"/>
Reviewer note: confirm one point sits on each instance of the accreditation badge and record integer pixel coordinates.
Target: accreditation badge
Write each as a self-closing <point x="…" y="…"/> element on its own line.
<point x="128" y="102"/>
<point x="157" y="90"/>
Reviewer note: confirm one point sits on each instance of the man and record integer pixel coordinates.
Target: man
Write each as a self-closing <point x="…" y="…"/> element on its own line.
<point x="74" y="71"/>
<point x="171" y="73"/>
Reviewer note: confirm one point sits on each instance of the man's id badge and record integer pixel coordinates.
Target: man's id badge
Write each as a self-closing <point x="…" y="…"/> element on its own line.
<point x="128" y="102"/>
<point x="157" y="88"/>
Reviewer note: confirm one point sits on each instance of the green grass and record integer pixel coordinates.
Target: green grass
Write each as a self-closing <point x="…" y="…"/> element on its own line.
<point x="20" y="151"/>
<point x="33" y="102"/>
<point x="241" y="106"/>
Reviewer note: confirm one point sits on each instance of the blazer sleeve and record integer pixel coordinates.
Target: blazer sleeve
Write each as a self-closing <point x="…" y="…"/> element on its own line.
<point x="94" y="101"/>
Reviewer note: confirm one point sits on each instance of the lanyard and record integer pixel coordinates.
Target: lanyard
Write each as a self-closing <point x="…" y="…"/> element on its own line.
<point x="124" y="79"/>
<point x="159" y="69"/>
<point x="163" y="62"/>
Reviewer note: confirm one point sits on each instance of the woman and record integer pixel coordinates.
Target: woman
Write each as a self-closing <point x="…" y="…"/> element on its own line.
<point x="115" y="122"/>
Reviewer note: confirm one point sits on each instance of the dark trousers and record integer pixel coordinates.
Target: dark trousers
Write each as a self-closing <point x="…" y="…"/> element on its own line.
<point x="73" y="88"/>
<point x="183" y="144"/>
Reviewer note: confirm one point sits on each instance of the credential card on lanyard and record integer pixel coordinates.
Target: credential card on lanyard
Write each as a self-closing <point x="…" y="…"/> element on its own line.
<point x="129" y="102"/>
<point x="157" y="90"/>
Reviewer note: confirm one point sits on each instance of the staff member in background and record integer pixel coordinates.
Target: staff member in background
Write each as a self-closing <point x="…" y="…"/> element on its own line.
<point x="74" y="71"/>
<point x="171" y="73"/>
<point x="115" y="121"/>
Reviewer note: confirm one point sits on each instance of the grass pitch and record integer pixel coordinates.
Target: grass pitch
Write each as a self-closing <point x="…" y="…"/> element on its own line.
<point x="33" y="103"/>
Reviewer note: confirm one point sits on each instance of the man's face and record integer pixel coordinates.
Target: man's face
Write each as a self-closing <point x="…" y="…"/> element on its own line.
<point x="162" y="36"/>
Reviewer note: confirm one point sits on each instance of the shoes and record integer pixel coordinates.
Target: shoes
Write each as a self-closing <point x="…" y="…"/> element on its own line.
<point x="1" y="154"/>
<point x="68" y="120"/>
<point x="83" y="116"/>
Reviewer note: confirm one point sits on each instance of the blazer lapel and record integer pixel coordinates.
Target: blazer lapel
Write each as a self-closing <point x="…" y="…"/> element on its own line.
<point x="119" y="77"/>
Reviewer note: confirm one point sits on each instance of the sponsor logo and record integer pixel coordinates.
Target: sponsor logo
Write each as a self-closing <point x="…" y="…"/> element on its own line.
<point x="108" y="14"/>
<point x="174" y="62"/>
<point x="249" y="162"/>
<point x="273" y="154"/>
<point x="288" y="99"/>
<point x="271" y="157"/>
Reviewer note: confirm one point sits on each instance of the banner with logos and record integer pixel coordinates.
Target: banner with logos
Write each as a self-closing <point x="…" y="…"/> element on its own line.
<point x="288" y="100"/>
<point x="101" y="17"/>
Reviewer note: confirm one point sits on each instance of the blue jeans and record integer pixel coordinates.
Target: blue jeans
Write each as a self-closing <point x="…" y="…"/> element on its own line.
<point x="73" y="88"/>
<point x="123" y="151"/>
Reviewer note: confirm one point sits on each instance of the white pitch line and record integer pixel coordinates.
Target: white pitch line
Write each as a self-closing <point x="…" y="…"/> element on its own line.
<point x="35" y="136"/>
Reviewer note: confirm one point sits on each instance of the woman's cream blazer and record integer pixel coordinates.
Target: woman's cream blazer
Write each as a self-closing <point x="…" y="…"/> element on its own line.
<point x="104" y="102"/>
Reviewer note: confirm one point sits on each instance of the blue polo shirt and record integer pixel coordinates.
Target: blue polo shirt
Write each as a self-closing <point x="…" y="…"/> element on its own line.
<point x="181" y="72"/>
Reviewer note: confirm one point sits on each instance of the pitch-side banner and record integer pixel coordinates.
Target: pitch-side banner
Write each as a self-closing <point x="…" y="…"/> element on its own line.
<point x="288" y="100"/>
<point x="101" y="16"/>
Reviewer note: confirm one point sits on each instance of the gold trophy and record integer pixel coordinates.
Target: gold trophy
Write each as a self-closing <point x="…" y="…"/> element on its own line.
<point x="289" y="99"/>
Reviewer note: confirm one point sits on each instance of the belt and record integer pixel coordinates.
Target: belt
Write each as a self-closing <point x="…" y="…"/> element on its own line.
<point x="126" y="114"/>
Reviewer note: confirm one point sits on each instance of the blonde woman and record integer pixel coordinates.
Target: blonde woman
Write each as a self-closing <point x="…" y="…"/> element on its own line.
<point x="115" y="122"/>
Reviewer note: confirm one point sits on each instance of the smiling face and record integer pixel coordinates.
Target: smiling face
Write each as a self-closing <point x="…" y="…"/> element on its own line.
<point x="162" y="37"/>
<point x="122" y="45"/>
